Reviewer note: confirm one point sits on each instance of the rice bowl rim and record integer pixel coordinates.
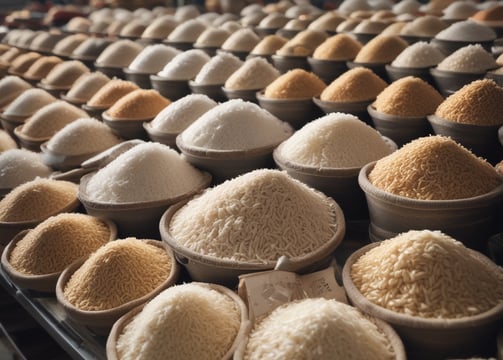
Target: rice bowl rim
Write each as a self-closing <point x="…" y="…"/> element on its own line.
<point x="434" y="119"/>
<point x="96" y="314"/>
<point x="396" y="318"/>
<point x="123" y="321"/>
<point x="322" y="171"/>
<point x="483" y="200"/>
<point x="373" y="112"/>
<point x="298" y="262"/>
<point x="109" y="206"/>
<point x="15" y="274"/>
<point x="109" y="119"/>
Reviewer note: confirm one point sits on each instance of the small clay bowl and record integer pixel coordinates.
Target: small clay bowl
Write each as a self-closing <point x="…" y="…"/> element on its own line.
<point x="28" y="142"/>
<point x="401" y="129"/>
<point x="171" y="89"/>
<point x="110" y="71"/>
<point x="73" y="101"/>
<point x="119" y="325"/>
<point x="286" y="63"/>
<point x="495" y="76"/>
<point x="126" y="128"/>
<point x="449" y="46"/>
<point x="432" y="338"/>
<point x="140" y="79"/>
<point x="411" y="39"/>
<point x="182" y="46"/>
<point x="10" y="122"/>
<point x="378" y="68"/>
<point x="101" y="321"/>
<point x="356" y="108"/>
<point x="160" y="136"/>
<point x="62" y="162"/>
<point x="246" y="95"/>
<point x="210" y="50"/>
<point x="448" y="82"/>
<point x="327" y="70"/>
<point x="296" y="112"/>
<point x="214" y="92"/>
<point x="242" y="55"/>
<point x="53" y="90"/>
<point x="94" y="111"/>
<point x="45" y="282"/>
<point x="395" y="73"/>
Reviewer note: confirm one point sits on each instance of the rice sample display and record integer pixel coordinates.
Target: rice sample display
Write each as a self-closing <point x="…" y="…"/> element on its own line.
<point x="424" y="26"/>
<point x="303" y="44"/>
<point x="295" y="84"/>
<point x="120" y="54"/>
<point x="185" y="65"/>
<point x="257" y="218"/>
<point x="41" y="67"/>
<point x="358" y="84"/>
<point x="57" y="242"/>
<point x="187" y="32"/>
<point x="335" y="140"/>
<point x="147" y="172"/>
<point x="28" y="102"/>
<point x="236" y="125"/>
<point x="37" y="200"/>
<point x="317" y="328"/>
<point x="427" y="274"/>
<point x="434" y="168"/>
<point x="269" y="45"/>
<point x="181" y="113"/>
<point x="419" y="55"/>
<point x="408" y="97"/>
<point x="112" y="91"/>
<point x="188" y="321"/>
<point x="83" y="136"/>
<point x="478" y="103"/>
<point x="138" y="104"/>
<point x="472" y="59"/>
<point x="218" y="69"/>
<point x="153" y="58"/>
<point x="382" y="49"/>
<point x="243" y="40"/>
<point x="18" y="166"/>
<point x="212" y="37"/>
<point x="64" y="74"/>
<point x="86" y="86"/>
<point x="118" y="272"/>
<point x="340" y="47"/>
<point x="255" y="74"/>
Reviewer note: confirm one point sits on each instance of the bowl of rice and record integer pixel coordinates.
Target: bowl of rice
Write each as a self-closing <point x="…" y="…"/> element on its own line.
<point x="218" y="318"/>
<point x="443" y="299"/>
<point x="119" y="276"/>
<point x="433" y="183"/>
<point x="263" y="215"/>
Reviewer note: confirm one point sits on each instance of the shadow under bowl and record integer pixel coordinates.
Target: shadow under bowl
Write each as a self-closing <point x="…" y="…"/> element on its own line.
<point x="101" y="321"/>
<point x="161" y="137"/>
<point x="356" y="108"/>
<point x="448" y="82"/>
<point x="395" y="73"/>
<point x="480" y="139"/>
<point x="296" y="112"/>
<point x="426" y="338"/>
<point x="127" y="129"/>
<point x="213" y="91"/>
<point x="471" y="221"/>
<point x="139" y="219"/>
<point x="140" y="79"/>
<point x="226" y="272"/>
<point x="286" y="63"/>
<point x="171" y="89"/>
<point x="401" y="129"/>
<point x="246" y="94"/>
<point x="327" y="70"/>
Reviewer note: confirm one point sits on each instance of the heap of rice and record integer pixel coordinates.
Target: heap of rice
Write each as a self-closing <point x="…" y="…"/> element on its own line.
<point x="18" y="166"/>
<point x="256" y="218"/>
<point x="91" y="48"/>
<point x="119" y="54"/>
<point x="64" y="74"/>
<point x="478" y="103"/>
<point x="381" y="49"/>
<point x="321" y="328"/>
<point x="147" y="172"/>
<point x="303" y="44"/>
<point x="295" y="24"/>
<point x="295" y="84"/>
<point x="41" y="67"/>
<point x="269" y="45"/>
<point x="65" y="46"/>
<point x="51" y="118"/>
<point x="138" y="104"/>
<point x="273" y="20"/>
<point x="255" y="74"/>
<point x="419" y="55"/>
<point x="434" y="168"/>
<point x="472" y="59"/>
<point x="467" y="31"/>
<point x="188" y="321"/>
<point x="78" y="24"/>
<point x="340" y="47"/>
<point x="57" y="242"/>
<point x="6" y="141"/>
<point x="117" y="273"/>
<point x="427" y="274"/>
<point x="212" y="37"/>
<point x="242" y="40"/>
<point x="394" y="28"/>
<point x="424" y="26"/>
<point x="350" y="6"/>
<point x="187" y="32"/>
<point x="133" y="28"/>
<point x="357" y="84"/>
<point x="11" y="87"/>
<point x="371" y="27"/>
<point x="408" y="96"/>
<point x="460" y="10"/>
<point x="23" y="62"/>
<point x="87" y="85"/>
<point x="327" y="22"/>
<point x="153" y="58"/>
<point x="335" y="140"/>
<point x="28" y="102"/>
<point x="160" y="27"/>
<point x="37" y="200"/>
<point x="180" y="114"/>
<point x="218" y="69"/>
<point x="236" y="125"/>
<point x="10" y="55"/>
<point x="83" y="136"/>
<point x="185" y="65"/>
<point x="493" y="15"/>
<point x="112" y="91"/>
<point x="406" y="7"/>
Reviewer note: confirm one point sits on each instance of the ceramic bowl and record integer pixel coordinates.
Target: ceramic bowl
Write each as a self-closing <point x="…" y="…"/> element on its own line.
<point x="327" y="70"/>
<point x="140" y="79"/>
<point x="171" y="89"/>
<point x="286" y="63"/>
<point x="126" y="128"/>
<point x="448" y="82"/>
<point x="62" y="162"/>
<point x="28" y="142"/>
<point x="449" y="46"/>
<point x="10" y="122"/>
<point x="110" y="71"/>
<point x="356" y="108"/>
<point x="396" y="73"/>
<point x="226" y="272"/>
<point x="160" y="136"/>
<point x="94" y="111"/>
<point x="213" y="91"/>
<point x="495" y="76"/>
<point x="378" y="68"/>
<point x="432" y="338"/>
<point x="246" y="95"/>
<point x="100" y="322"/>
